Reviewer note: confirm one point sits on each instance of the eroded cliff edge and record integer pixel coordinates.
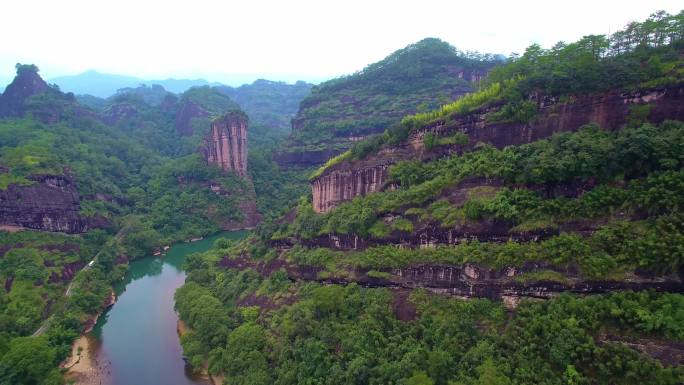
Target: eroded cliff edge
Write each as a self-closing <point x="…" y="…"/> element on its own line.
<point x="225" y="146"/>
<point x="50" y="203"/>
<point x="226" y="143"/>
<point x="346" y="180"/>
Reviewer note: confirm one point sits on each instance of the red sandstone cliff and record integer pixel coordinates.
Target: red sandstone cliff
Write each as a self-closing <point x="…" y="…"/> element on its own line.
<point x="611" y="110"/>
<point x="51" y="203"/>
<point x="343" y="185"/>
<point x="226" y="143"/>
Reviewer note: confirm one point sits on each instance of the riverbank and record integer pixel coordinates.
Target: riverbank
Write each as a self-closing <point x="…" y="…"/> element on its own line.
<point x="136" y="341"/>
<point x="216" y="379"/>
<point x="83" y="366"/>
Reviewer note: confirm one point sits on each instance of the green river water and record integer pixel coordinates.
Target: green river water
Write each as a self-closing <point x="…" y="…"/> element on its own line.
<point x="135" y="342"/>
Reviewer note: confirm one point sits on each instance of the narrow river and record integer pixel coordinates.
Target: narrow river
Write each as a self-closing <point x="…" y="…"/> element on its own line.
<point x="136" y="341"/>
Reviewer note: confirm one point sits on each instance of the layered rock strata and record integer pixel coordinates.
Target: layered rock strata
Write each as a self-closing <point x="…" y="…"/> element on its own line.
<point x="466" y="280"/>
<point x="51" y="203"/>
<point x="226" y="143"/>
<point x="344" y="185"/>
<point x="609" y="110"/>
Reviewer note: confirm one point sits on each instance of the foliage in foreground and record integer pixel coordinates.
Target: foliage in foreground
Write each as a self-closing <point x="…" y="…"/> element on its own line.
<point x="341" y="335"/>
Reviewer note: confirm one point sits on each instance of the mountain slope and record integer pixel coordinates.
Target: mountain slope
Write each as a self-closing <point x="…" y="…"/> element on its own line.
<point x="106" y="180"/>
<point x="268" y="103"/>
<point x="527" y="233"/>
<point x="342" y="111"/>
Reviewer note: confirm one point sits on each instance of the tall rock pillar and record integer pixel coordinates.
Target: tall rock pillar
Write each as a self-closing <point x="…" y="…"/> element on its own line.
<point x="226" y="143"/>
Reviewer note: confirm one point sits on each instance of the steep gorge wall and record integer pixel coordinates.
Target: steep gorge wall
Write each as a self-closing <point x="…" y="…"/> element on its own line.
<point x="467" y="280"/>
<point x="330" y="189"/>
<point x="611" y="110"/>
<point x="52" y="203"/>
<point x="226" y="143"/>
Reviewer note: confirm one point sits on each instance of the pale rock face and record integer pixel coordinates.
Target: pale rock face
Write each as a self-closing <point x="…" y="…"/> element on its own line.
<point x="339" y="186"/>
<point x="226" y="144"/>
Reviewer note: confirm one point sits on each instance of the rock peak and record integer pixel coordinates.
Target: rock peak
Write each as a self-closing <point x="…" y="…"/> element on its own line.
<point x="225" y="145"/>
<point x="26" y="84"/>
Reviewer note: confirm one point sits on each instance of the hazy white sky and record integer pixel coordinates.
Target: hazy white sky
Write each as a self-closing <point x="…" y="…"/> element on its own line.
<point x="282" y="39"/>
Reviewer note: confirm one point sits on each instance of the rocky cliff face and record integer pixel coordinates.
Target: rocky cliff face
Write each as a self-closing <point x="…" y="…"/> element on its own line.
<point x="50" y="204"/>
<point x="29" y="93"/>
<point x="610" y="111"/>
<point x="342" y="111"/>
<point x="226" y="143"/>
<point x="344" y="185"/>
<point x="465" y="280"/>
<point x="26" y="84"/>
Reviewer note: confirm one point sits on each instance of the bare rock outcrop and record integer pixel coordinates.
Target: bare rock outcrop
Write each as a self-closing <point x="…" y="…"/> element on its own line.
<point x="610" y="110"/>
<point x="27" y="83"/>
<point x="226" y="143"/>
<point x="344" y="185"/>
<point x="51" y="203"/>
<point x="464" y="280"/>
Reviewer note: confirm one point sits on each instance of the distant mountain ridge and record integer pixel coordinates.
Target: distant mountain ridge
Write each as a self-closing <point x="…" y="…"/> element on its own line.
<point x="105" y="85"/>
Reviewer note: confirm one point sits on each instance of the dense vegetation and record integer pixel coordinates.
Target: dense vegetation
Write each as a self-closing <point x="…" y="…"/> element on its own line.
<point x="36" y="269"/>
<point x="643" y="55"/>
<point x="625" y="186"/>
<point x="416" y="78"/>
<point x="270" y="105"/>
<point x="130" y="166"/>
<point x="334" y="334"/>
<point x="147" y="115"/>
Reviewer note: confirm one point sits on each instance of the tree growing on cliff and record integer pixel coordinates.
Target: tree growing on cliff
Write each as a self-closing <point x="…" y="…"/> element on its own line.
<point x="26" y="68"/>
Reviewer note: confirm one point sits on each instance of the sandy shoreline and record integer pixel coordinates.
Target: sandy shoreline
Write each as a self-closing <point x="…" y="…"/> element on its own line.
<point x="84" y="367"/>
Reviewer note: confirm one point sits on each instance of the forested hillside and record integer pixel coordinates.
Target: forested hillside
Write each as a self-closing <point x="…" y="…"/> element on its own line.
<point x="528" y="233"/>
<point x="269" y="104"/>
<point x="153" y="116"/>
<point x="119" y="174"/>
<point x="339" y="112"/>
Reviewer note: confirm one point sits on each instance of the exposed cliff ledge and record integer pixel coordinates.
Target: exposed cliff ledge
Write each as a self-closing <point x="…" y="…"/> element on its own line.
<point x="610" y="111"/>
<point x="50" y="204"/>
<point x="226" y="143"/>
<point x="344" y="185"/>
<point x="468" y="280"/>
